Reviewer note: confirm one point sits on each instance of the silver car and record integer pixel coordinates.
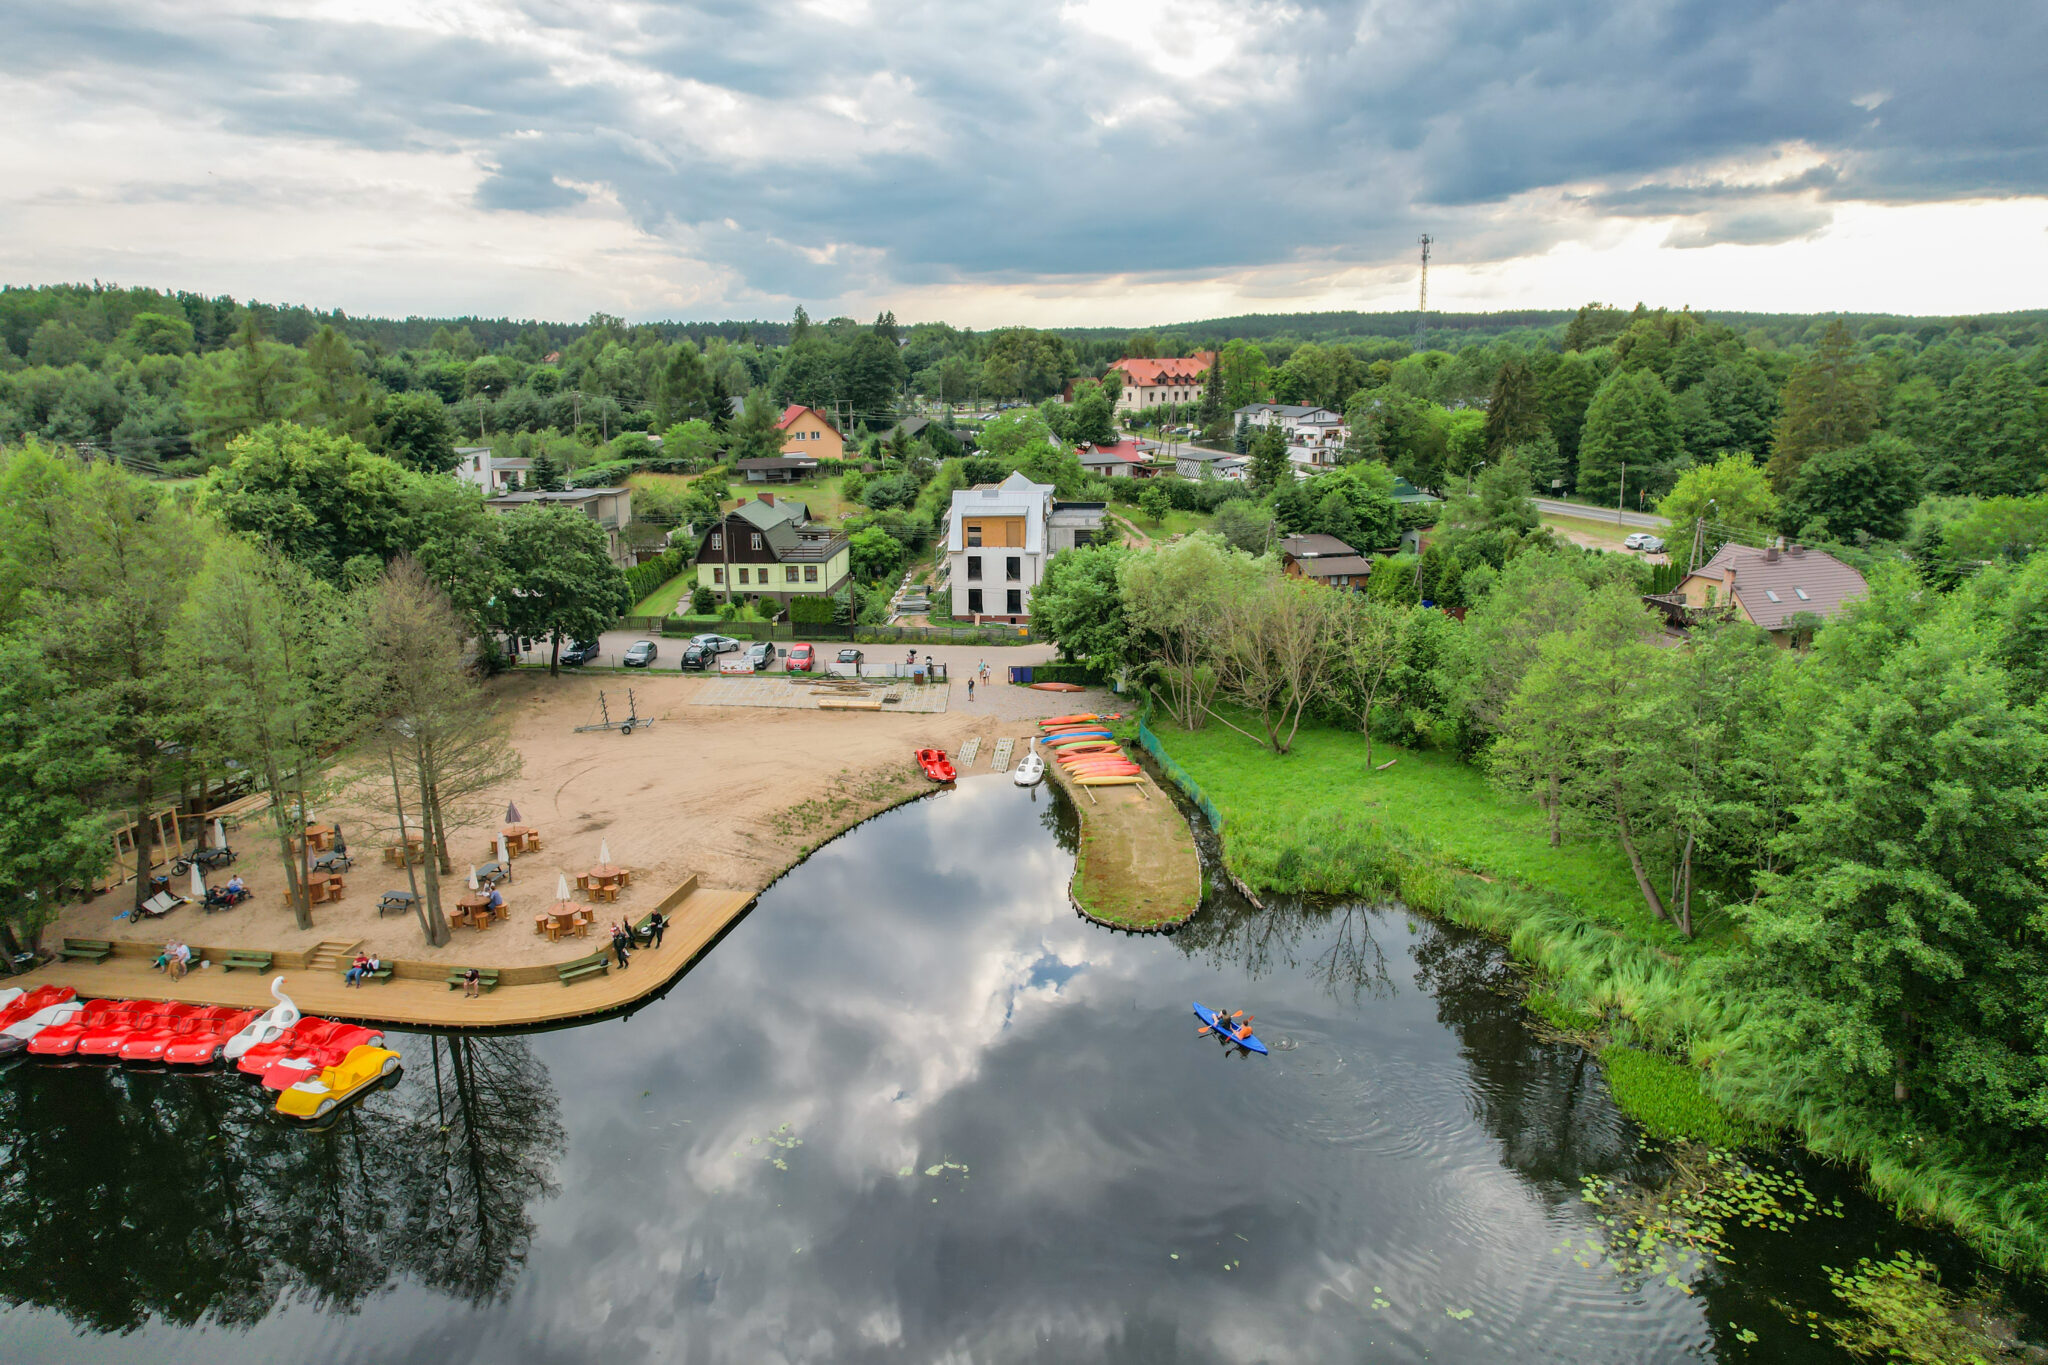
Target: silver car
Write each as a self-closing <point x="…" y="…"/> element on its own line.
<point x="716" y="644"/>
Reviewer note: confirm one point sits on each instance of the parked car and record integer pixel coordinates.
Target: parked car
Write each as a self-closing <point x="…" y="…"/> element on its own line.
<point x="761" y="656"/>
<point x="641" y="654"/>
<point x="717" y="644"/>
<point x="582" y="652"/>
<point x="801" y="658"/>
<point x="1653" y="545"/>
<point x="850" y="656"/>
<point x="696" y="658"/>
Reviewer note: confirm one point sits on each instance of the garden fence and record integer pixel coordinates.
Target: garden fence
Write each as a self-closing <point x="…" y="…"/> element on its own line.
<point x="1181" y="777"/>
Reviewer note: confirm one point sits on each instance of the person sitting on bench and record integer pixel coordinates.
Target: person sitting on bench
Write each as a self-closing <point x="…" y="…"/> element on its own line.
<point x="358" y="969"/>
<point x="236" y="887"/>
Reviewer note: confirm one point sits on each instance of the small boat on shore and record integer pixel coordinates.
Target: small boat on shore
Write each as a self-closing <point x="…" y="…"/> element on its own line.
<point x="1058" y="687"/>
<point x="935" y="765"/>
<point x="1054" y="722"/>
<point x="28" y="1013"/>
<point x="1031" y="769"/>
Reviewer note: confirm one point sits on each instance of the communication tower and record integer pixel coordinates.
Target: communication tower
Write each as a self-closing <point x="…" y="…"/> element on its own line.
<point x="1423" y="307"/>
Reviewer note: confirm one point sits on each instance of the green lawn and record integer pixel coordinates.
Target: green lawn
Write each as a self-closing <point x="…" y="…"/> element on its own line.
<point x="1273" y="806"/>
<point x="662" y="601"/>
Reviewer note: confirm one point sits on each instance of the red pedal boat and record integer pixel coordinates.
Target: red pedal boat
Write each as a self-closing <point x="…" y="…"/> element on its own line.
<point x="935" y="765"/>
<point x="108" y="1039"/>
<point x="293" y="1057"/>
<point x="202" y="1046"/>
<point x="196" y="1039"/>
<point x="61" y="1040"/>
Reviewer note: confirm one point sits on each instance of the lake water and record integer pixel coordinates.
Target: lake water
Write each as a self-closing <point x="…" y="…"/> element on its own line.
<point x="911" y="1108"/>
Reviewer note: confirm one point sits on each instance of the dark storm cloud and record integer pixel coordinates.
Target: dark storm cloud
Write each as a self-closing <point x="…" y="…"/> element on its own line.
<point x="934" y="142"/>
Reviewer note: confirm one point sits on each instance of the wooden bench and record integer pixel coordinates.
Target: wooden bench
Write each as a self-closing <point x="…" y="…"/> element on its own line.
<point x="487" y="979"/>
<point x="255" y="962"/>
<point x="597" y="964"/>
<point x="86" y="949"/>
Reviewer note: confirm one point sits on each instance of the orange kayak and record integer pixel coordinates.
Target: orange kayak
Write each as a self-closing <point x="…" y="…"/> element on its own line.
<point x="1052" y="721"/>
<point x="1058" y="687"/>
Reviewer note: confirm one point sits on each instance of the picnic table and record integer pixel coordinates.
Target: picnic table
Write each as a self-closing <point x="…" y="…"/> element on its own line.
<point x="521" y="839"/>
<point x="320" y="837"/>
<point x="563" y="917"/>
<point x="322" y="887"/>
<point x="474" y="911"/>
<point x="412" y="850"/>
<point x="603" y="881"/>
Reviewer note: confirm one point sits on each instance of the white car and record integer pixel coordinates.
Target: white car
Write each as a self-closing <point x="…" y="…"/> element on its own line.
<point x="1635" y="542"/>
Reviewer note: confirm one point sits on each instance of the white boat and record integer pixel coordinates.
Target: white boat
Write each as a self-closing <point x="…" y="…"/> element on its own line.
<point x="1031" y="770"/>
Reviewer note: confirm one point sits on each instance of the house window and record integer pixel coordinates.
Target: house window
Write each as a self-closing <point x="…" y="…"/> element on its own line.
<point x="1013" y="568"/>
<point x="1768" y="593"/>
<point x="974" y="601"/>
<point x="1800" y="593"/>
<point x="810" y="573"/>
<point x="973" y="567"/>
<point x="789" y="573"/>
<point x="974" y="537"/>
<point x="717" y="540"/>
<point x="1016" y="602"/>
<point x="757" y="540"/>
<point x="717" y="574"/>
<point x="743" y="574"/>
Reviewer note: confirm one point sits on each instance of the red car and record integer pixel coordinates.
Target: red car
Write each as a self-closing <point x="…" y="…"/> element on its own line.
<point x="801" y="658"/>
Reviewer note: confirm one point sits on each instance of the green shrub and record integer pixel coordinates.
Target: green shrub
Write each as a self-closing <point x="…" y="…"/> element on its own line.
<point x="1665" y="1098"/>
<point x="1086" y="674"/>
<point x="645" y="578"/>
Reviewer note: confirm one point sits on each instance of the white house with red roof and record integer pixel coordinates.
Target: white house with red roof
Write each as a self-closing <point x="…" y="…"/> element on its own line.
<point x="1126" y="459"/>
<point x="808" y="432"/>
<point x="1155" y="383"/>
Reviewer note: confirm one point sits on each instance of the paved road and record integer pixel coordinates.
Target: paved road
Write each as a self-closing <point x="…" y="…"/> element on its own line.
<point x="1640" y="521"/>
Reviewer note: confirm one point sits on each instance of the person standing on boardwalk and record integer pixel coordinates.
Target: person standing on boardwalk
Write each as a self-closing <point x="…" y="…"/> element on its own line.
<point x="619" y="944"/>
<point x="656" y="924"/>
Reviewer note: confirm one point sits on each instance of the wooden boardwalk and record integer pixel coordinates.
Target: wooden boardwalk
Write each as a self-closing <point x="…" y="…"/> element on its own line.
<point x="693" y="926"/>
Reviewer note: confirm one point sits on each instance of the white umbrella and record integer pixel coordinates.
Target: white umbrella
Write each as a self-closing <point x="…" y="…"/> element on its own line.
<point x="604" y="853"/>
<point x="472" y="876"/>
<point x="198" y="884"/>
<point x="220" y="835"/>
<point x="504" y="854"/>
<point x="561" y="886"/>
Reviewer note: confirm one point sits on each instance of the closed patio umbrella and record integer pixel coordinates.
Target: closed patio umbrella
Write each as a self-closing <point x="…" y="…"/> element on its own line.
<point x="340" y="844"/>
<point x="604" y="853"/>
<point x="561" y="886"/>
<point x="220" y="835"/>
<point x="511" y="814"/>
<point x="472" y="877"/>
<point x="504" y="854"/>
<point x="198" y="884"/>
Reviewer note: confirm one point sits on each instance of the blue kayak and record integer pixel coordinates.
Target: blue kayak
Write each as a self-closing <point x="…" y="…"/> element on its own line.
<point x="1250" y="1042"/>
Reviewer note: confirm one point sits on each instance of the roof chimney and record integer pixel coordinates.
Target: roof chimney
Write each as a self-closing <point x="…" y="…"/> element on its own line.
<point x="1728" y="582"/>
<point x="1771" y="553"/>
<point x="768" y="498"/>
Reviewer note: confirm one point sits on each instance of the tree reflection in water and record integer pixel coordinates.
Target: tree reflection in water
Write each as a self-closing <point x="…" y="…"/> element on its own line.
<point x="488" y="1126"/>
<point x="1348" y="960"/>
<point x="126" y="1195"/>
<point x="1545" y="1102"/>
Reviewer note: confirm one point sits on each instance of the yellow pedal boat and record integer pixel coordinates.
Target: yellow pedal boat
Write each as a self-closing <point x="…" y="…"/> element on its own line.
<point x="319" y="1096"/>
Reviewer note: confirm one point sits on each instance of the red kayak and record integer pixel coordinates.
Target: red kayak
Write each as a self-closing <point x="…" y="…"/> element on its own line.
<point x="1059" y="687"/>
<point x="935" y="766"/>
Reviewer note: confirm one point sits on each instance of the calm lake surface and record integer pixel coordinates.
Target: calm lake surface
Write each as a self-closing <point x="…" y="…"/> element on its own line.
<point x="912" y="1108"/>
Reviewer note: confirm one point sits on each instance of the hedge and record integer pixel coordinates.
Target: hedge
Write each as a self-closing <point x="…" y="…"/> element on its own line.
<point x="645" y="578"/>
<point x="1087" y="674"/>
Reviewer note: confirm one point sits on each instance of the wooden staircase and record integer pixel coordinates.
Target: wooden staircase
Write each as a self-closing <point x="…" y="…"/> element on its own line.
<point x="331" y="955"/>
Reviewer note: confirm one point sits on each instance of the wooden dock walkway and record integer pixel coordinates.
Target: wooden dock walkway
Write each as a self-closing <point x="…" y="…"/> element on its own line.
<point x="694" y="925"/>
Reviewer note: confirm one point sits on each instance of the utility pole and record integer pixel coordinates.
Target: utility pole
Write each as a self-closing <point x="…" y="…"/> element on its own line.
<point x="1620" y="494"/>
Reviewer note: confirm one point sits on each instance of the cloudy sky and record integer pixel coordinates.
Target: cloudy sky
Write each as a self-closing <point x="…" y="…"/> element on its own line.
<point x="1114" y="162"/>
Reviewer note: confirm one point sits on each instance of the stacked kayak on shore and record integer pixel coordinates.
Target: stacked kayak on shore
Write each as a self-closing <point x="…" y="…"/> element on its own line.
<point x="1086" y="750"/>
